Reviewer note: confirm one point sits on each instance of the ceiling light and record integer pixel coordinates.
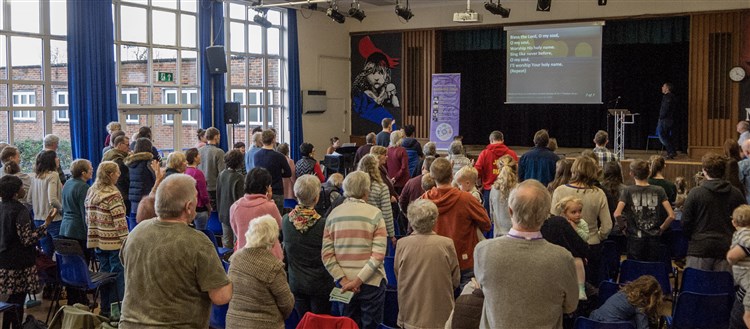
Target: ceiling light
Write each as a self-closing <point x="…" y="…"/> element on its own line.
<point x="355" y="12"/>
<point x="335" y="15"/>
<point x="404" y="12"/>
<point x="497" y="9"/>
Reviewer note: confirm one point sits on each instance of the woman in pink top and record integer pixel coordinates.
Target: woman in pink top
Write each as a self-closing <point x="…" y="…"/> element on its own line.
<point x="203" y="208"/>
<point x="397" y="162"/>
<point x="255" y="203"/>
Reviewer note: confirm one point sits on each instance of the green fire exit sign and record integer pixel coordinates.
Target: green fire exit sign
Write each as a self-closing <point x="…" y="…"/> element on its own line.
<point x="166" y="76"/>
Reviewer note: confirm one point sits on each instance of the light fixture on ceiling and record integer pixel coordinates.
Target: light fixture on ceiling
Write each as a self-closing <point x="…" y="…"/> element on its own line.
<point x="355" y="12"/>
<point x="404" y="12"/>
<point x="260" y="18"/>
<point x="334" y="14"/>
<point x="497" y="9"/>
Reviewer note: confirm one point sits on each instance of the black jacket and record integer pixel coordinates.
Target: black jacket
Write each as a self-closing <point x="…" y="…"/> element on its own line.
<point x="14" y="254"/>
<point x="707" y="218"/>
<point x="142" y="179"/>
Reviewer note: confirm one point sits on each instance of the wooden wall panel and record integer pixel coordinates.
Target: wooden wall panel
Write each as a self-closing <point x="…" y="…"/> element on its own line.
<point x="420" y="53"/>
<point x="709" y="124"/>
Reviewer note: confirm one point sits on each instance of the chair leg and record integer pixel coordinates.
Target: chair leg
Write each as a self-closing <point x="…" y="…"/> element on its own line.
<point x="55" y="303"/>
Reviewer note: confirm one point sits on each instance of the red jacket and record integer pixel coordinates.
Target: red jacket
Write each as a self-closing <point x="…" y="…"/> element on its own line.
<point x="460" y="215"/>
<point x="398" y="166"/>
<point x="487" y="163"/>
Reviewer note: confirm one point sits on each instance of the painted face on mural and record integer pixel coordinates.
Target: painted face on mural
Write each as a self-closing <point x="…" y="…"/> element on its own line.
<point x="376" y="79"/>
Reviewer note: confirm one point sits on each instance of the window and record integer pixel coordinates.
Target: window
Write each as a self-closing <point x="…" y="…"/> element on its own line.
<point x="24" y="99"/>
<point x="256" y="67"/>
<point x="61" y="99"/>
<point x="130" y="97"/>
<point x="189" y="96"/>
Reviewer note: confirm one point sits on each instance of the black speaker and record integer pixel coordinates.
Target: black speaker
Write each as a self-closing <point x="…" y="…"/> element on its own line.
<point x="216" y="59"/>
<point x="543" y="5"/>
<point x="231" y="113"/>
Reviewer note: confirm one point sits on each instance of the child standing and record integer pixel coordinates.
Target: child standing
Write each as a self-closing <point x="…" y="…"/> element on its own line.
<point x="638" y="203"/>
<point x="571" y="208"/>
<point x="737" y="256"/>
<point x="637" y="302"/>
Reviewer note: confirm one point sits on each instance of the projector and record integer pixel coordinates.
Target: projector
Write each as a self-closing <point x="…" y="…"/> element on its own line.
<point x="467" y="17"/>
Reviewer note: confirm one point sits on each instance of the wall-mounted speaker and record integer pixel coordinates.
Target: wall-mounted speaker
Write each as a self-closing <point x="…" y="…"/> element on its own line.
<point x="543" y="5"/>
<point x="231" y="113"/>
<point x="216" y="59"/>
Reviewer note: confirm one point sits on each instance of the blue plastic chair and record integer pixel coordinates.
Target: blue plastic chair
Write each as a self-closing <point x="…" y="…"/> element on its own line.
<point x="606" y="290"/>
<point x="290" y="203"/>
<point x="390" y="274"/>
<point x="586" y="323"/>
<point x="706" y="282"/>
<point x="292" y="321"/>
<point x="218" y="319"/>
<point x="390" y="309"/>
<point x="214" y="225"/>
<point x="10" y="310"/>
<point x="633" y="269"/>
<point x="704" y="311"/>
<point x="220" y="250"/>
<point x="74" y="272"/>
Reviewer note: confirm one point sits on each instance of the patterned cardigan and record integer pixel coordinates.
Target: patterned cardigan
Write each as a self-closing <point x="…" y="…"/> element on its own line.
<point x="105" y="215"/>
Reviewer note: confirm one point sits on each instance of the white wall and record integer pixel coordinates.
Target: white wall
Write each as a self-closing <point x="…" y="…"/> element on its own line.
<point x="324" y="65"/>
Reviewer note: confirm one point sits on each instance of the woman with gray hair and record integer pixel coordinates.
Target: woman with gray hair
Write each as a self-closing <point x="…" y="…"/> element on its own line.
<point x="425" y="298"/>
<point x="302" y="229"/>
<point x="397" y="162"/>
<point x="457" y="157"/>
<point x="260" y="294"/>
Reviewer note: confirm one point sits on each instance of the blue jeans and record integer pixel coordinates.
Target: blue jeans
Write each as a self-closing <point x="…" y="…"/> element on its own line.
<point x="109" y="261"/>
<point x="664" y="131"/>
<point x="366" y="307"/>
<point x="53" y="232"/>
<point x="201" y="219"/>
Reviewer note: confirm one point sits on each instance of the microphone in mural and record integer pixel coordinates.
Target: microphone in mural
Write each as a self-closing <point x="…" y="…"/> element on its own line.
<point x="374" y="93"/>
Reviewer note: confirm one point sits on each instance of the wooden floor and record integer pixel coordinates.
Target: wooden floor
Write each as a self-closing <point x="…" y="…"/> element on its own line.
<point x="681" y="165"/>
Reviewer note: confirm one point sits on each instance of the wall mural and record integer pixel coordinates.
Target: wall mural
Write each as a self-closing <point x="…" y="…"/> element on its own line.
<point x="376" y="81"/>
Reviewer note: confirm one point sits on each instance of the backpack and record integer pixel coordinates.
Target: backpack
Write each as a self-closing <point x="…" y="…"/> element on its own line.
<point x="324" y="201"/>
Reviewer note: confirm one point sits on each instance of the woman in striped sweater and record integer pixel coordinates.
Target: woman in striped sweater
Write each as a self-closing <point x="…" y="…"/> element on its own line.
<point x="379" y="195"/>
<point x="107" y="227"/>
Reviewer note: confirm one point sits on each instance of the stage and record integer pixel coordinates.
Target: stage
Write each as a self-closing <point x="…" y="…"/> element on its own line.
<point x="681" y="165"/>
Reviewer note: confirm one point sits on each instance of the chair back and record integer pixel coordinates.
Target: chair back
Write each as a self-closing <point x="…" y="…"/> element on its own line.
<point x="606" y="290"/>
<point x="706" y="311"/>
<point x="315" y="321"/>
<point x="610" y="264"/>
<point x="390" y="274"/>
<point x="706" y="282"/>
<point x="211" y="237"/>
<point x="213" y="224"/>
<point x="292" y="321"/>
<point x="633" y="269"/>
<point x="68" y="247"/>
<point x="73" y="271"/>
<point x="586" y="323"/>
<point x="218" y="318"/>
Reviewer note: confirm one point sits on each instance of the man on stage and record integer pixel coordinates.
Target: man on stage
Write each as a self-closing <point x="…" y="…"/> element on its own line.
<point x="666" y="119"/>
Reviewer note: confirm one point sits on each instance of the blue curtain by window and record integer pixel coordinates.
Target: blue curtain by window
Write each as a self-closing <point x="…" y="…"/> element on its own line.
<point x="295" y="94"/>
<point x="91" y="77"/>
<point x="211" y="14"/>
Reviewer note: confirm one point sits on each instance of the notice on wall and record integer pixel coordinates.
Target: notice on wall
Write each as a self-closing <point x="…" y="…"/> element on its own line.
<point x="445" y="105"/>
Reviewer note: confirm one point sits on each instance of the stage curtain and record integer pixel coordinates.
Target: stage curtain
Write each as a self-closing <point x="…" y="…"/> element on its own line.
<point x="91" y="77"/>
<point x="295" y="94"/>
<point x="211" y="13"/>
<point x="463" y="40"/>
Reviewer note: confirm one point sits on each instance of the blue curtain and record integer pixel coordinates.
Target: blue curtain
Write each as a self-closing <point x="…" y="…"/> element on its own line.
<point x="211" y="14"/>
<point x="295" y="94"/>
<point x="91" y="77"/>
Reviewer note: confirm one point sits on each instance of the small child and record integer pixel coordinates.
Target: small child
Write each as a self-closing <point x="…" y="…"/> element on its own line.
<point x="681" y="184"/>
<point x="427" y="182"/>
<point x="637" y="302"/>
<point x="737" y="256"/>
<point x="571" y="208"/>
<point x="644" y="227"/>
<point x="466" y="180"/>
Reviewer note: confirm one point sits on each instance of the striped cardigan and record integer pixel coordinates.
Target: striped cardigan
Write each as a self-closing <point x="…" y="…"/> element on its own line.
<point x="354" y="242"/>
<point x="105" y="215"/>
<point x="380" y="197"/>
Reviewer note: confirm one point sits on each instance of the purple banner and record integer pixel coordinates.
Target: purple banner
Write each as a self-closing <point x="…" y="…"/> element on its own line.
<point x="445" y="105"/>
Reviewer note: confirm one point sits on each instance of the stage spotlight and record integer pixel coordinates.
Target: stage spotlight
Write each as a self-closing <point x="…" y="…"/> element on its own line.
<point x="335" y="15"/>
<point x="261" y="20"/>
<point x="404" y="12"/>
<point x="497" y="9"/>
<point x="356" y="13"/>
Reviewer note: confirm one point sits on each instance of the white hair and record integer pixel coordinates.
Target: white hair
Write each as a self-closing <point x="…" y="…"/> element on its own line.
<point x="263" y="232"/>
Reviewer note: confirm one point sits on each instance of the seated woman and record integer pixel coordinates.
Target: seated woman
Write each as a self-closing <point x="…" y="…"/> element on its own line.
<point x="425" y="298"/>
<point x="335" y="144"/>
<point x="18" y="239"/>
<point x="637" y="302"/>
<point x="303" y="238"/>
<point x="307" y="165"/>
<point x="261" y="297"/>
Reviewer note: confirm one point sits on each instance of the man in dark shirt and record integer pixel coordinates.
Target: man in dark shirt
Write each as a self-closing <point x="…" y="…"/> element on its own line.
<point x="539" y="162"/>
<point x="364" y="149"/>
<point x="384" y="137"/>
<point x="666" y="119"/>
<point x="276" y="164"/>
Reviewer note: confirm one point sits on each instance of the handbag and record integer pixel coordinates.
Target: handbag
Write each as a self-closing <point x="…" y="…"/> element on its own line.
<point x="32" y="323"/>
